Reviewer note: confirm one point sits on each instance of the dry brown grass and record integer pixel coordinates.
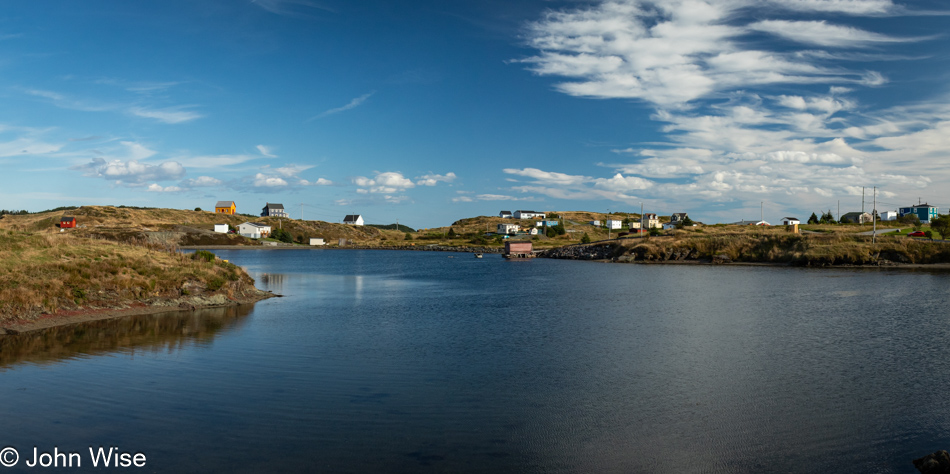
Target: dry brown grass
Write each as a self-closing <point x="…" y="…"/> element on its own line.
<point x="46" y="272"/>
<point x="776" y="245"/>
<point x="124" y="224"/>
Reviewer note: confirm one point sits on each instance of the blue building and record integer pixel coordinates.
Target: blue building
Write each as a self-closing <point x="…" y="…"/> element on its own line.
<point x="925" y="212"/>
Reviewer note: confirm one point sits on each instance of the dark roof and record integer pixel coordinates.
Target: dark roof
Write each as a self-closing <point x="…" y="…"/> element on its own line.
<point x="506" y="212"/>
<point x="853" y="214"/>
<point x="274" y="206"/>
<point x="351" y="217"/>
<point x="791" y="218"/>
<point x="923" y="205"/>
<point x="532" y="212"/>
<point x="67" y="219"/>
<point x="224" y="204"/>
<point x="679" y="213"/>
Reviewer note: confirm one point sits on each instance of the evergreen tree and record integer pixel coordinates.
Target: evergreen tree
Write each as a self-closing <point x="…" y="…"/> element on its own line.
<point x="585" y="239"/>
<point x="813" y="219"/>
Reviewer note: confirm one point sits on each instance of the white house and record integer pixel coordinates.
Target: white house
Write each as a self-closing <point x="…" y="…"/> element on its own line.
<point x="505" y="214"/>
<point x="353" y="219"/>
<point x="273" y="210"/>
<point x="528" y="215"/>
<point x="221" y="228"/>
<point x="634" y="225"/>
<point x="614" y="224"/>
<point x="254" y="230"/>
<point x="888" y="215"/>
<point x="791" y="221"/>
<point x="508" y="228"/>
<point x="595" y="223"/>
<point x="533" y="231"/>
<point x="650" y="221"/>
<point x="317" y="241"/>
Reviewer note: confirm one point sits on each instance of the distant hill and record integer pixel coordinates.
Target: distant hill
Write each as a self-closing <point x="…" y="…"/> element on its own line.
<point x="184" y="227"/>
<point x="400" y="227"/>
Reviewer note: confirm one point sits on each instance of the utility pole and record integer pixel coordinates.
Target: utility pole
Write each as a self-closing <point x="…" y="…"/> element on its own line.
<point x="608" y="224"/>
<point x="874" y="217"/>
<point x="862" y="199"/>
<point x="761" y="211"/>
<point x="839" y="211"/>
<point x="641" y="220"/>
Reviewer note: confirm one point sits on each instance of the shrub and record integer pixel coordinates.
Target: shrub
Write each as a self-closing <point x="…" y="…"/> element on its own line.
<point x="215" y="283"/>
<point x="203" y="255"/>
<point x="198" y="209"/>
<point x="408" y="236"/>
<point x="585" y="239"/>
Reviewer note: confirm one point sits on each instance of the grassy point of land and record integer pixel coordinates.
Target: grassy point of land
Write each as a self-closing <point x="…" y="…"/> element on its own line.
<point x="46" y="273"/>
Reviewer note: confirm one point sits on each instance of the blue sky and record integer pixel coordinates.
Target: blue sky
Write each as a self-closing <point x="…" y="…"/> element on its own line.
<point x="430" y="111"/>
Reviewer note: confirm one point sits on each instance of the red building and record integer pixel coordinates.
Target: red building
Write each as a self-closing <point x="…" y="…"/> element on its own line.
<point x="67" y="222"/>
<point x="518" y="250"/>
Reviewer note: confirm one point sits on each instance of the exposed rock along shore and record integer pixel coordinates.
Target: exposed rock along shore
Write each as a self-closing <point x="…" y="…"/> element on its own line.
<point x="238" y="294"/>
<point x="617" y="252"/>
<point x="423" y="248"/>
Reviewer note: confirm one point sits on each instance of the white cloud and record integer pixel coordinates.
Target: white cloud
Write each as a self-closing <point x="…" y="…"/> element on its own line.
<point x="285" y="176"/>
<point x="351" y="105"/>
<point x="202" y="182"/>
<point x="214" y="161"/>
<point x="821" y="33"/>
<point x="383" y="183"/>
<point x="262" y="180"/>
<point x="266" y="151"/>
<point x="854" y="7"/>
<point x="131" y="171"/>
<point x="433" y="179"/>
<point x="170" y="115"/>
<point x="156" y="188"/>
<point x="673" y="52"/>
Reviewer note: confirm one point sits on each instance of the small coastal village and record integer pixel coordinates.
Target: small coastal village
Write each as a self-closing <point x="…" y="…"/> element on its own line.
<point x="520" y="233"/>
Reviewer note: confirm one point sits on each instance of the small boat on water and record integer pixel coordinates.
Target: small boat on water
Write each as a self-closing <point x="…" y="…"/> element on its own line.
<point x="478" y="255"/>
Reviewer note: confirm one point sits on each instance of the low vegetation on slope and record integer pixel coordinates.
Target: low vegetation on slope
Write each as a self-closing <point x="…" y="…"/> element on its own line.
<point x="767" y="245"/>
<point x="48" y="272"/>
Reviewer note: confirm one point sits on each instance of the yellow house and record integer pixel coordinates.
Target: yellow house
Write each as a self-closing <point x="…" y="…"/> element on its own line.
<point x="225" y="207"/>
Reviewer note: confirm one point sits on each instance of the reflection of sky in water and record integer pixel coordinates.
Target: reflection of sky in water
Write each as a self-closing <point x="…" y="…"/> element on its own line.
<point x="411" y="361"/>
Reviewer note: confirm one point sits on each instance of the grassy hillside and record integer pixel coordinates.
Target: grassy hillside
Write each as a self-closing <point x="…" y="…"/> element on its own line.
<point x="46" y="273"/>
<point x="771" y="245"/>
<point x="179" y="227"/>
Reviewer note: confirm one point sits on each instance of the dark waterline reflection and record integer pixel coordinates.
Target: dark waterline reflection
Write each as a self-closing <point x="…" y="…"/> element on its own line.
<point x="160" y="332"/>
<point x="379" y="361"/>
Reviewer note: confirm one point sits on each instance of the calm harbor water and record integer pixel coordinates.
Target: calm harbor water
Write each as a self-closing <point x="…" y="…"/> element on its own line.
<point x="385" y="361"/>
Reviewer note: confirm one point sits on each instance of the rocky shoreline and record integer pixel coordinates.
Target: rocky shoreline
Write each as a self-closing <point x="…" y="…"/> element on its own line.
<point x="421" y="248"/>
<point x="243" y="296"/>
<point x="618" y="253"/>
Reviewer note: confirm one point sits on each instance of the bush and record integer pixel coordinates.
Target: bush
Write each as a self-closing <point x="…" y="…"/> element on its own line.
<point x="585" y="239"/>
<point x="203" y="255"/>
<point x="942" y="226"/>
<point x="408" y="236"/>
<point x="909" y="219"/>
<point x="198" y="209"/>
<point x="451" y="233"/>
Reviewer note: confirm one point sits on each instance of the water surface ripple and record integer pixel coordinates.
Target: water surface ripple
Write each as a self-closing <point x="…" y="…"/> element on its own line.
<point x="418" y="362"/>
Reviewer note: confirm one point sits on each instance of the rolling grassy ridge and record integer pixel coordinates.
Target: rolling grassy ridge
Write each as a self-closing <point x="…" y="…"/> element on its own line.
<point x="47" y="272"/>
